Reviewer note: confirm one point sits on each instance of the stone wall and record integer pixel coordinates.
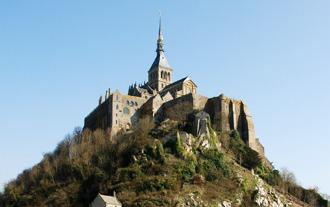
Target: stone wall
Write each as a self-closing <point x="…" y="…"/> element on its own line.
<point x="125" y="110"/>
<point x="100" y="117"/>
<point x="178" y="109"/>
<point x="118" y="111"/>
<point x="121" y="112"/>
<point x="230" y="114"/>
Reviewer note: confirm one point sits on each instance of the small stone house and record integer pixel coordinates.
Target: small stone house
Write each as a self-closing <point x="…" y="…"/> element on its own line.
<point x="106" y="201"/>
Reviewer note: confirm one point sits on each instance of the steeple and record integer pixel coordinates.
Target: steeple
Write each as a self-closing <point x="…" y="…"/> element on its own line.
<point x="160" y="72"/>
<point x="160" y="60"/>
<point x="160" y="41"/>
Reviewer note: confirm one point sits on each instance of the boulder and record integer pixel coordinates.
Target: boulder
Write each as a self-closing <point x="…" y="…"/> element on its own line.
<point x="200" y="122"/>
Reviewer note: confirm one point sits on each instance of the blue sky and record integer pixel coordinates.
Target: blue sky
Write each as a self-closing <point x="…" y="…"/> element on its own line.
<point x="58" y="57"/>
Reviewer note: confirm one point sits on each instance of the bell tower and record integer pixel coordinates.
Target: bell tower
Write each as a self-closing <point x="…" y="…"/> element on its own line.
<point x="160" y="72"/>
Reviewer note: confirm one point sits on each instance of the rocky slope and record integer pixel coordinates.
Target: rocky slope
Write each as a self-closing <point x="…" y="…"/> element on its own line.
<point x="173" y="164"/>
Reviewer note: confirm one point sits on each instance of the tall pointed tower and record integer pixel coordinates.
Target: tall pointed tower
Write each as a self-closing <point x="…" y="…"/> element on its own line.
<point x="160" y="72"/>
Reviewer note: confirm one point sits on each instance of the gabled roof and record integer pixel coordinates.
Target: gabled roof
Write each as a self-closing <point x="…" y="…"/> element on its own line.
<point x="185" y="79"/>
<point x="110" y="199"/>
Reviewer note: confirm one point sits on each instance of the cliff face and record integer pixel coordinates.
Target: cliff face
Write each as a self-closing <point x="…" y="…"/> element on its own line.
<point x="171" y="164"/>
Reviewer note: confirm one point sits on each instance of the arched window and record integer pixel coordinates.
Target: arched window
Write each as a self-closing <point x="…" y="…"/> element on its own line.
<point x="168" y="76"/>
<point x="165" y="76"/>
<point x="162" y="74"/>
<point x="126" y="110"/>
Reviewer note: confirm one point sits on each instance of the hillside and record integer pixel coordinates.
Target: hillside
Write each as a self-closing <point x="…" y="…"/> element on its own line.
<point x="164" y="165"/>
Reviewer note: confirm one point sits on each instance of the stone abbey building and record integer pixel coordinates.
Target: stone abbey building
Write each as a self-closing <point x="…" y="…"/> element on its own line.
<point x="161" y="98"/>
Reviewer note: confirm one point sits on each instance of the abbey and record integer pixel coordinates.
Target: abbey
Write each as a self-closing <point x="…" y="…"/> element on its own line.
<point x="161" y="98"/>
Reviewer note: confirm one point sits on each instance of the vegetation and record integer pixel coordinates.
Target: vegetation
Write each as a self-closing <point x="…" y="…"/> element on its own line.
<point x="144" y="171"/>
<point x="245" y="156"/>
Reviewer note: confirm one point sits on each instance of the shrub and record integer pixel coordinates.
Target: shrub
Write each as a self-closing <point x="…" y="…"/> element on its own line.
<point x="187" y="170"/>
<point x="244" y="155"/>
<point x="155" y="152"/>
<point x="271" y="176"/>
<point x="129" y="173"/>
<point x="251" y="158"/>
<point x="154" y="184"/>
<point x="218" y="161"/>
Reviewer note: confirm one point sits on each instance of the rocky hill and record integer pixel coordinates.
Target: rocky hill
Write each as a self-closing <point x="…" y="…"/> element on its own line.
<point x="171" y="164"/>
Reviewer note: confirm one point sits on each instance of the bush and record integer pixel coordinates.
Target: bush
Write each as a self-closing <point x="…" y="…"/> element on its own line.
<point x="154" y="184"/>
<point x="187" y="170"/>
<point x="156" y="152"/>
<point x="212" y="165"/>
<point x="175" y="146"/>
<point x="244" y="155"/>
<point x="311" y="196"/>
<point x="271" y="176"/>
<point x="218" y="161"/>
<point x="251" y="158"/>
<point x="129" y="173"/>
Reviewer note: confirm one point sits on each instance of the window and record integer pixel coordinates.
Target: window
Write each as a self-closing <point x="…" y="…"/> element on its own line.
<point x="126" y="110"/>
<point x="136" y="103"/>
<point x="127" y="102"/>
<point x="117" y="107"/>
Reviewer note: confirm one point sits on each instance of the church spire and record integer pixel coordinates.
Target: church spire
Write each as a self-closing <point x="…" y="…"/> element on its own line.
<point x="160" y="41"/>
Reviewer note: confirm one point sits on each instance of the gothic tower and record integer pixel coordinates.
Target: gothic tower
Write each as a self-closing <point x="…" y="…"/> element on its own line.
<point x="160" y="72"/>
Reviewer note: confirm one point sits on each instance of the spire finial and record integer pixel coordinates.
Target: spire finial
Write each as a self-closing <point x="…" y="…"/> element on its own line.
<point x="160" y="41"/>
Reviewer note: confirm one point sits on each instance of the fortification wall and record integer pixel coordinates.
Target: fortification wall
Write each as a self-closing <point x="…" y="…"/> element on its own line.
<point x="179" y="108"/>
<point x="100" y="117"/>
<point x="199" y="101"/>
<point x="151" y="107"/>
<point x="121" y="112"/>
<point x="230" y="114"/>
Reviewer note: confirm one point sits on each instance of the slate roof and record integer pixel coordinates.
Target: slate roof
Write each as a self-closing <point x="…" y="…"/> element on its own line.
<point x="160" y="61"/>
<point x="177" y="82"/>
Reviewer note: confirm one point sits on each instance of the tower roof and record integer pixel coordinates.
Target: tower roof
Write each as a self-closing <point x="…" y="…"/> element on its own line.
<point x="160" y="60"/>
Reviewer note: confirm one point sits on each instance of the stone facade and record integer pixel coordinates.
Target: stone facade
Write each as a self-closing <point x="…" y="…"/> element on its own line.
<point x="161" y="99"/>
<point x="117" y="111"/>
<point x="230" y="114"/>
<point x="106" y="201"/>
